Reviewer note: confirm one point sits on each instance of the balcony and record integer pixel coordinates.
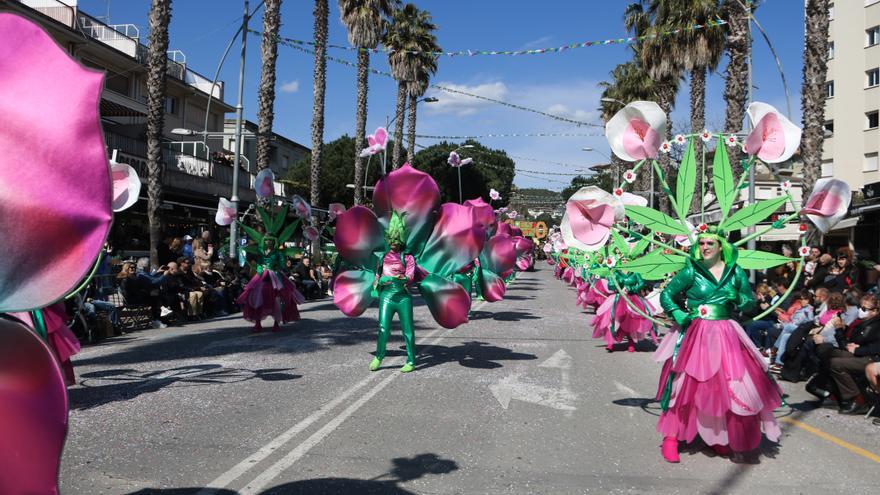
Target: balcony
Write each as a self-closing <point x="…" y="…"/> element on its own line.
<point x="124" y="38"/>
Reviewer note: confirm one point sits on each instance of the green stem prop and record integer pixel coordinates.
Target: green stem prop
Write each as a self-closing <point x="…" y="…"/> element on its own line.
<point x="629" y="303"/>
<point x="765" y="229"/>
<point x="672" y="200"/>
<point x="651" y="240"/>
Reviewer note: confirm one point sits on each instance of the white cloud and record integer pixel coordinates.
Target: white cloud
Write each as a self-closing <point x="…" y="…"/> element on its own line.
<point x="465" y="105"/>
<point x="290" y="87"/>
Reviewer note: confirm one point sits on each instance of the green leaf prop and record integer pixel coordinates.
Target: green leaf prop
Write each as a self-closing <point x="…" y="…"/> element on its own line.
<point x="602" y="271"/>
<point x="655" y="220"/>
<point x="722" y="178"/>
<point x="267" y="218"/>
<point x="288" y="232"/>
<point x="753" y="214"/>
<point x="279" y="219"/>
<point x="253" y="234"/>
<point x="640" y="247"/>
<point x="761" y="260"/>
<point x="252" y="249"/>
<point x="656" y="265"/>
<point x="687" y="180"/>
<point x="620" y="243"/>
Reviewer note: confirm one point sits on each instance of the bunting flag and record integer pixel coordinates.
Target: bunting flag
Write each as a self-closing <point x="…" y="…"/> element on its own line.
<point x="511" y="135"/>
<point x="535" y="51"/>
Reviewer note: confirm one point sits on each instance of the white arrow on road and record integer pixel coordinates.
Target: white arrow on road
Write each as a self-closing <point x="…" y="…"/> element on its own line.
<point x="560" y="360"/>
<point x="511" y="388"/>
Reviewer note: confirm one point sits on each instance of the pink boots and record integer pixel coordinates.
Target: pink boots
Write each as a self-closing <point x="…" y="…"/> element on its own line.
<point x="669" y="449"/>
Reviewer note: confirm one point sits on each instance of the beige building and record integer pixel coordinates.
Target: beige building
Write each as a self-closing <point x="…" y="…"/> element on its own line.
<point x="851" y="110"/>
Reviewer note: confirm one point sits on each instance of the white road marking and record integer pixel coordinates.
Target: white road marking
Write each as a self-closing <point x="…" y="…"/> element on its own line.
<point x="511" y="388"/>
<point x="560" y="360"/>
<point x="300" y="450"/>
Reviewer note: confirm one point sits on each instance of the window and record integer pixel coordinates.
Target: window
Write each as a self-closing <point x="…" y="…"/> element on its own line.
<point x="172" y="105"/>
<point x="872" y="120"/>
<point x="830" y="50"/>
<point x="829" y="89"/>
<point x="827" y="168"/>
<point x="873" y="77"/>
<point x="872" y="36"/>
<point x="871" y="163"/>
<point x="828" y="126"/>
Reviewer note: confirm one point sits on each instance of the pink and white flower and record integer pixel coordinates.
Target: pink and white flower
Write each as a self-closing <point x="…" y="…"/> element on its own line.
<point x="589" y="215"/>
<point x="264" y="184"/>
<point x="804" y="251"/>
<point x="225" y="212"/>
<point x="702" y="227"/>
<point x="126" y="185"/>
<point x="706" y="136"/>
<point x="512" y="214"/>
<point x="618" y="191"/>
<point x="311" y="233"/>
<point x="703" y="310"/>
<point x="680" y="139"/>
<point x="828" y="203"/>
<point x="610" y="261"/>
<point x="629" y="176"/>
<point x="377" y="142"/>
<point x="455" y="161"/>
<point x="665" y="147"/>
<point x="634" y="132"/>
<point x="774" y="138"/>
<point x="731" y="141"/>
<point x="334" y="210"/>
<point x="494" y="195"/>
<point x="785" y="185"/>
<point x="301" y="208"/>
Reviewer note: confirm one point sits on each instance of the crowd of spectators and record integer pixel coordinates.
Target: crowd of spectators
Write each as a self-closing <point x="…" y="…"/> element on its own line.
<point x="825" y="331"/>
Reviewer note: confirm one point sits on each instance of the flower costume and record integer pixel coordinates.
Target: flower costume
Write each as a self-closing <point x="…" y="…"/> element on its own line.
<point x="427" y="237"/>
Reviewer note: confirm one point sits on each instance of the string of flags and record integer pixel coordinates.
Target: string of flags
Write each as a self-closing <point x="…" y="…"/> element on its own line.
<point x="509" y="135"/>
<point x="535" y="51"/>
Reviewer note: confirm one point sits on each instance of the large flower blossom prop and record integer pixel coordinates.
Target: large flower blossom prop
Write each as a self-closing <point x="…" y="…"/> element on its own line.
<point x="126" y="185"/>
<point x="589" y="215"/>
<point x="498" y="257"/>
<point x="635" y="132"/>
<point x="264" y="184"/>
<point x="828" y="203"/>
<point x="442" y="238"/>
<point x="774" y="138"/>
<point x="54" y="171"/>
<point x="376" y="141"/>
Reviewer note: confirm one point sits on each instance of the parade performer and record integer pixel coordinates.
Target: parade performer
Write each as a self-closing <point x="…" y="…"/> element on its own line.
<point x="714" y="382"/>
<point x="410" y="233"/>
<point x="497" y="256"/>
<point x="269" y="292"/>
<point x="73" y="206"/>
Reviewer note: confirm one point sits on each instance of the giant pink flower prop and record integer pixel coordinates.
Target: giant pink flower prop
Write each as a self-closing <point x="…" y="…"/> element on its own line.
<point x="828" y="203"/>
<point x="635" y="132"/>
<point x="301" y="207"/>
<point x="483" y="210"/>
<point x="334" y="210"/>
<point x="377" y="142"/>
<point x="126" y="185"/>
<point x="589" y="215"/>
<point x="225" y="212"/>
<point x="773" y="138"/>
<point x="55" y="210"/>
<point x="264" y="184"/>
<point x="455" y="161"/>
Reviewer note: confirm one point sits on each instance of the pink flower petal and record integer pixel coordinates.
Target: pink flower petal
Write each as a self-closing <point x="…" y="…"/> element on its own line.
<point x="126" y="186"/>
<point x="225" y="212"/>
<point x="640" y="141"/>
<point x="358" y="237"/>
<point x="264" y="184"/>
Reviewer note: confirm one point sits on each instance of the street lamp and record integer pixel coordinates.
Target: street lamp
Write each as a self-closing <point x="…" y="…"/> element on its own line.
<point x="427" y="99"/>
<point x="611" y="100"/>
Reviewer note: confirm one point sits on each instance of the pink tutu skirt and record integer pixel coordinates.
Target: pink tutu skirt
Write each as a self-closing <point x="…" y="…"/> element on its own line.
<point x="596" y="294"/>
<point x="557" y="271"/>
<point x="720" y="389"/>
<point x="568" y="275"/>
<point x="258" y="300"/>
<point x="628" y="323"/>
<point x="60" y="338"/>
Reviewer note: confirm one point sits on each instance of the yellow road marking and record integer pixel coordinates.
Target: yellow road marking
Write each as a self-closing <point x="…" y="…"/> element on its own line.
<point x="831" y="438"/>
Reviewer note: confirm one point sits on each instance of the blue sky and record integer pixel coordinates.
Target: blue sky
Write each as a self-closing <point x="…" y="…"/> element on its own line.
<point x="563" y="83"/>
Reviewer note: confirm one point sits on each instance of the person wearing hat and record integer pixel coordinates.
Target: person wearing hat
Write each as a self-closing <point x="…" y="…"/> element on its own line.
<point x="187" y="246"/>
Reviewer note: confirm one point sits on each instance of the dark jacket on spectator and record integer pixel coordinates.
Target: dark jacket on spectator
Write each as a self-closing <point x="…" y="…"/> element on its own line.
<point x="866" y="334"/>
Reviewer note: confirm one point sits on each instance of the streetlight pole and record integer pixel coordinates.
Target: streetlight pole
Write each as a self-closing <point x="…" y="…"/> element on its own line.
<point x="239" y="109"/>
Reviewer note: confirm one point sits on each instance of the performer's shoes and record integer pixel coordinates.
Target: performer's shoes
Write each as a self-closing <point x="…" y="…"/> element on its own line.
<point x="721" y="450"/>
<point x="669" y="449"/>
<point x="258" y="327"/>
<point x="407" y="368"/>
<point x="632" y="347"/>
<point x="609" y="348"/>
<point x="276" y="328"/>
<point x="375" y="363"/>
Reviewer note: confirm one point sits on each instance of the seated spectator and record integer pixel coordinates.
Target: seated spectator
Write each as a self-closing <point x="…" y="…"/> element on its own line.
<point x="142" y="288"/>
<point x="91" y="307"/>
<point x="287" y="270"/>
<point x="852" y="298"/>
<point x="872" y="371"/>
<point x="821" y="272"/>
<point x="850" y="354"/>
<point x="841" y="275"/>
<point x="187" y="249"/>
<point x="799" y="358"/>
<point x="194" y="288"/>
<point x="305" y="275"/>
<point x="201" y="252"/>
<point x="761" y="331"/>
<point x="173" y="293"/>
<point x="325" y="275"/>
<point x="215" y="289"/>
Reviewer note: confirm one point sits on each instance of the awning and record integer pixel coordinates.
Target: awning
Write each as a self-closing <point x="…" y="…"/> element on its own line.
<point x="117" y="105"/>
<point x="788" y="233"/>
<point x="846" y="223"/>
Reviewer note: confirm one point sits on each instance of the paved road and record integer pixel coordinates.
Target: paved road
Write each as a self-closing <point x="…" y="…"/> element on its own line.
<point x="518" y="401"/>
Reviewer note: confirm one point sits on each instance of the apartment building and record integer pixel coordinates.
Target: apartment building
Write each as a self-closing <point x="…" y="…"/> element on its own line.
<point x="852" y="129"/>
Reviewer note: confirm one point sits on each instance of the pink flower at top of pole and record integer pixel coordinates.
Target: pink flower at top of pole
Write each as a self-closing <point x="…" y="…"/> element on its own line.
<point x="376" y="141"/>
<point x="828" y="203"/>
<point x="494" y="195"/>
<point x="774" y="138"/>
<point x="311" y="233"/>
<point x="126" y="185"/>
<point x="455" y="161"/>
<point x="301" y="207"/>
<point x="225" y="212"/>
<point x="264" y="184"/>
<point x="334" y="210"/>
<point x="635" y="132"/>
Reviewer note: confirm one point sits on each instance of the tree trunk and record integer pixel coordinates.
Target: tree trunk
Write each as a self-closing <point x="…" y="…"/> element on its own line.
<point x="269" y="52"/>
<point x="319" y="84"/>
<point x="157" y="65"/>
<point x="813" y="95"/>
<point x="363" y="67"/>
<point x="411" y="129"/>
<point x="698" y="123"/>
<point x="665" y="95"/>
<point x="739" y="47"/>
<point x="398" y="124"/>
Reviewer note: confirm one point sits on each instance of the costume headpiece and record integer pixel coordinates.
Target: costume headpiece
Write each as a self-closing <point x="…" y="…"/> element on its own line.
<point x="396" y="231"/>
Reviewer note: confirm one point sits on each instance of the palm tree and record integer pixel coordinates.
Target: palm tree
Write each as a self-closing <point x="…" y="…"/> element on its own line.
<point x="410" y="32"/>
<point x="320" y="84"/>
<point x="426" y="67"/>
<point x="813" y="93"/>
<point x="696" y="50"/>
<point x="739" y="47"/>
<point x="661" y="61"/>
<point x="365" y="21"/>
<point x="157" y="65"/>
<point x="269" y="53"/>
